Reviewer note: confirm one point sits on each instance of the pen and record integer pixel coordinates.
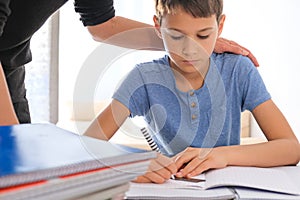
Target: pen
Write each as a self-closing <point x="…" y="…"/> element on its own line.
<point x="152" y="144"/>
<point x="194" y="180"/>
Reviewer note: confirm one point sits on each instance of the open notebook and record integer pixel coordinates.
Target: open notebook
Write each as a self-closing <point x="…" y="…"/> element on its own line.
<point x="230" y="182"/>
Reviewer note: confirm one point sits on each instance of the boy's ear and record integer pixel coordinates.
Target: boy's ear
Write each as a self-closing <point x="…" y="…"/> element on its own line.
<point x="221" y="24"/>
<point x="157" y="26"/>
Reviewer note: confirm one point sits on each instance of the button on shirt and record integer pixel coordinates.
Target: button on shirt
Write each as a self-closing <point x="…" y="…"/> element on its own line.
<point x="207" y="117"/>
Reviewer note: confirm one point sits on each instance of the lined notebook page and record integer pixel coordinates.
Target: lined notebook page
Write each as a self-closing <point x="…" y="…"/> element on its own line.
<point x="172" y="190"/>
<point x="271" y="179"/>
<point x="247" y="193"/>
<point x="171" y="184"/>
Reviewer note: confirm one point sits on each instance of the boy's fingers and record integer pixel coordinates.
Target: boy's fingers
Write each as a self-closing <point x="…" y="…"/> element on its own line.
<point x="199" y="169"/>
<point x="155" y="177"/>
<point x="224" y="45"/>
<point x="182" y="158"/>
<point x="190" y="167"/>
<point x="142" y="179"/>
<point x="253" y="59"/>
<point x="164" y="173"/>
<point x="167" y="163"/>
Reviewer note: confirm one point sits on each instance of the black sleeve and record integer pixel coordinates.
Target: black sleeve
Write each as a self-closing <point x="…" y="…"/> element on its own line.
<point x="4" y="13"/>
<point x="94" y="12"/>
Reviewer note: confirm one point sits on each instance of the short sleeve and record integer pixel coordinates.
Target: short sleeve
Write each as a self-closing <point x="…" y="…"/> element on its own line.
<point x="254" y="90"/>
<point x="94" y="12"/>
<point x="133" y="94"/>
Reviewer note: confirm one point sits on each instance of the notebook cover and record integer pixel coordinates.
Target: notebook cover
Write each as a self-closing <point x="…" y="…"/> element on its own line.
<point x="33" y="152"/>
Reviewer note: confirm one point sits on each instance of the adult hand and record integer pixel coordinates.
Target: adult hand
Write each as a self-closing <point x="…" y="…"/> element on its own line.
<point x="224" y="45"/>
<point x="160" y="170"/>
<point x="194" y="161"/>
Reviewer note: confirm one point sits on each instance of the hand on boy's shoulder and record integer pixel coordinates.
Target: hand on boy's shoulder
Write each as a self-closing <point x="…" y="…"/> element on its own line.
<point x="224" y="45"/>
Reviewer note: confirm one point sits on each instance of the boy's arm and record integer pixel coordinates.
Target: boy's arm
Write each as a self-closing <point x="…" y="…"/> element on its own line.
<point x="282" y="147"/>
<point x="132" y="34"/>
<point x="7" y="112"/>
<point x="108" y="121"/>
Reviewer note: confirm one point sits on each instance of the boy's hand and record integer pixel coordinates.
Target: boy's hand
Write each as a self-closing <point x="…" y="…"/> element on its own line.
<point x="224" y="45"/>
<point x="194" y="161"/>
<point x="160" y="170"/>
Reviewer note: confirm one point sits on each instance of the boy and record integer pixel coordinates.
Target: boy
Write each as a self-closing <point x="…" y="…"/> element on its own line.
<point x="192" y="99"/>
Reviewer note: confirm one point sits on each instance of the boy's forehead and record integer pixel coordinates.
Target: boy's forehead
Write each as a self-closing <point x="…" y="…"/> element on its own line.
<point x="179" y="11"/>
<point x="185" y="19"/>
<point x="191" y="26"/>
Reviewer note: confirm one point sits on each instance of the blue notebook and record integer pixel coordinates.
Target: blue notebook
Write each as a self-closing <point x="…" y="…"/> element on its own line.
<point x="33" y="152"/>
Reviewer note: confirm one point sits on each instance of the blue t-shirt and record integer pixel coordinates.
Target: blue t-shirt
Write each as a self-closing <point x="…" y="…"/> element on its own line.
<point x="207" y="117"/>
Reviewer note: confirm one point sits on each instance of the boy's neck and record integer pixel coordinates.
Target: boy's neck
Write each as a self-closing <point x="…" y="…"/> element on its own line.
<point x="189" y="81"/>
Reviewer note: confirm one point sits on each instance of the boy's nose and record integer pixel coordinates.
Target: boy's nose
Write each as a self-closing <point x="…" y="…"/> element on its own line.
<point x="190" y="47"/>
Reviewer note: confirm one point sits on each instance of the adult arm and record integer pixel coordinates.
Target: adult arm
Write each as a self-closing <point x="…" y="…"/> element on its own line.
<point x="104" y="26"/>
<point x="137" y="35"/>
<point x="282" y="147"/>
<point x="7" y="112"/>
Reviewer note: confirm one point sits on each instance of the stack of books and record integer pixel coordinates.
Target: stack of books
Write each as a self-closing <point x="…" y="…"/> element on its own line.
<point x="42" y="161"/>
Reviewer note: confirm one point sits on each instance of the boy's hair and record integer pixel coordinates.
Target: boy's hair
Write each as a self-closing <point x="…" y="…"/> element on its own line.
<point x="197" y="8"/>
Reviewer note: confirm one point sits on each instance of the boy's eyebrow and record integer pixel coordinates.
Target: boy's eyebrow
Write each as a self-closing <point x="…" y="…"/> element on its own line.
<point x="199" y="31"/>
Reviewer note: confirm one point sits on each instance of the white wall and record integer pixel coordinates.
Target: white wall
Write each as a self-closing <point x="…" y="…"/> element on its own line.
<point x="269" y="28"/>
<point x="76" y="45"/>
<point x="41" y="73"/>
<point x="37" y="76"/>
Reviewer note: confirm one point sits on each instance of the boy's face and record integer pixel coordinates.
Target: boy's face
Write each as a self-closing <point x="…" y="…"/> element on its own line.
<point x="188" y="40"/>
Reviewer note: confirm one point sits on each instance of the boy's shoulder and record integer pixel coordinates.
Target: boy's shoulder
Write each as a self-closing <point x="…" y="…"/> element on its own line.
<point x="230" y="61"/>
<point x="156" y="65"/>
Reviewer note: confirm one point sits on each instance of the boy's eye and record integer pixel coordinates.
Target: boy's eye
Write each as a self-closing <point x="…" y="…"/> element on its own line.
<point x="203" y="37"/>
<point x="176" y="37"/>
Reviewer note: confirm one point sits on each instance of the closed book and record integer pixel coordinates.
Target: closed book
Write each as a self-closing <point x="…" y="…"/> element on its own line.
<point x="112" y="193"/>
<point x="35" y="152"/>
<point x="78" y="185"/>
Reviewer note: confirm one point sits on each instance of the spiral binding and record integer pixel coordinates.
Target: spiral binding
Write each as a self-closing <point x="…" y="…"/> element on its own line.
<point x="152" y="144"/>
<point x="150" y="140"/>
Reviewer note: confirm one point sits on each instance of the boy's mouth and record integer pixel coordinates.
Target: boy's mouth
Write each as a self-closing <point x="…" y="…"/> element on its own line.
<point x="191" y="62"/>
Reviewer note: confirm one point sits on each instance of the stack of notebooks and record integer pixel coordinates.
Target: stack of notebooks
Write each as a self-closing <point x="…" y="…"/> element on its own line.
<point x="42" y="161"/>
